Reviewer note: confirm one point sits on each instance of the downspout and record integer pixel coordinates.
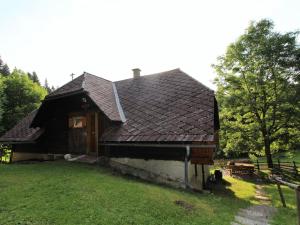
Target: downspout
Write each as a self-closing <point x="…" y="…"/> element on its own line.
<point x="186" y="166"/>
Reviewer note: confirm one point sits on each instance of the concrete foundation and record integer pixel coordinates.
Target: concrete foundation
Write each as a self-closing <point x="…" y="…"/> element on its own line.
<point x="23" y="156"/>
<point x="161" y="171"/>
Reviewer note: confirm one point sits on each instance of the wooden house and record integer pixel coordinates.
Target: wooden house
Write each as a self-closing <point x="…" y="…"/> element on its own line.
<point x="162" y="127"/>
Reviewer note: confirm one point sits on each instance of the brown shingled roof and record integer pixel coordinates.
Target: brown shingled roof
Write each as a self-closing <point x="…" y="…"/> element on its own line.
<point x="100" y="91"/>
<point x="22" y="131"/>
<point x="164" y="107"/>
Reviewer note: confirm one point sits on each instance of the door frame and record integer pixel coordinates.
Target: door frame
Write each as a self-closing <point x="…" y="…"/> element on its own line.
<point x="89" y="132"/>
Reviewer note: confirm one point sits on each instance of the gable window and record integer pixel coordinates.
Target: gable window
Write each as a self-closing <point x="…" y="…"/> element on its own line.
<point x="77" y="122"/>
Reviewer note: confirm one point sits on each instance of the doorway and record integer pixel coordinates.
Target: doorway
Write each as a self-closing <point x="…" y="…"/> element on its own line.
<point x="83" y="133"/>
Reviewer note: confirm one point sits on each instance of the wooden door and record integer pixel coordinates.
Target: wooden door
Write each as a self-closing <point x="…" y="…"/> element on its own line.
<point x="92" y="132"/>
<point x="77" y="134"/>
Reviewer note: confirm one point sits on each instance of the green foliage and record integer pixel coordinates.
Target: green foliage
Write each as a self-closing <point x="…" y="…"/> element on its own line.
<point x="2" y="99"/>
<point x="22" y="96"/>
<point x="5" y="153"/>
<point x="34" y="77"/>
<point x="4" y="69"/>
<point x="257" y="92"/>
<point x="283" y="215"/>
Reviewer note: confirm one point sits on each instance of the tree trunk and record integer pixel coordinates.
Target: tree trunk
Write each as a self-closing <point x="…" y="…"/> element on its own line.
<point x="268" y="151"/>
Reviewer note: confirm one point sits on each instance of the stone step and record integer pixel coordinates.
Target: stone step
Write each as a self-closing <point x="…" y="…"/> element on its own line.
<point x="248" y="221"/>
<point x="262" y="198"/>
<point x="254" y="216"/>
<point x="251" y="212"/>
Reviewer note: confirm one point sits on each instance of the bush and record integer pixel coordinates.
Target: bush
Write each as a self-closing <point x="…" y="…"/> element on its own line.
<point x="5" y="153"/>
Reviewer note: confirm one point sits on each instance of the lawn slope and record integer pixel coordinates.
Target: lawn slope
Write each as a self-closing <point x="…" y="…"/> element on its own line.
<point x="71" y="193"/>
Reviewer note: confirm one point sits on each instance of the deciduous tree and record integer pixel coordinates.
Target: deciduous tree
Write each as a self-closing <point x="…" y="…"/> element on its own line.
<point x="22" y="96"/>
<point x="258" y="81"/>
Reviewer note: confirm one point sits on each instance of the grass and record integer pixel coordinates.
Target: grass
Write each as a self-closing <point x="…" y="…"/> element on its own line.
<point x="283" y="214"/>
<point x="70" y="193"/>
<point x="283" y="156"/>
<point x="242" y="189"/>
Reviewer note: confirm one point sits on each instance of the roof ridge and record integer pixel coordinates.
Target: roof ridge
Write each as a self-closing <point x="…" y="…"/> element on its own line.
<point x="86" y="73"/>
<point x="53" y="93"/>
<point x="153" y="74"/>
<point x="83" y="82"/>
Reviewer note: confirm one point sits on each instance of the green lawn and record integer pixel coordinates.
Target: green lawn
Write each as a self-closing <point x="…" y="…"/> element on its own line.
<point x="283" y="214"/>
<point x="283" y="156"/>
<point x="70" y="193"/>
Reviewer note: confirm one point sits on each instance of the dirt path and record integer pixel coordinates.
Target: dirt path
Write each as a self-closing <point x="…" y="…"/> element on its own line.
<point x="256" y="214"/>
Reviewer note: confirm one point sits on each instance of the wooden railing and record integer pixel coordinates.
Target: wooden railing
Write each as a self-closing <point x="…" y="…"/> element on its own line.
<point x="284" y="168"/>
<point x="279" y="181"/>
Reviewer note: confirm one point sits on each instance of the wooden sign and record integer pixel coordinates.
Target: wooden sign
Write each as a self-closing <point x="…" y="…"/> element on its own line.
<point x="202" y="156"/>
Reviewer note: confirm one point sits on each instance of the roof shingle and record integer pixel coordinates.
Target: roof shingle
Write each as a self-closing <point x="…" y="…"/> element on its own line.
<point x="100" y="91"/>
<point x="164" y="107"/>
<point x="168" y="106"/>
<point x="22" y="132"/>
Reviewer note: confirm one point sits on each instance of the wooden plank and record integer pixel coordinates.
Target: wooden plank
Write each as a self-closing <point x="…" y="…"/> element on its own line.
<point x="202" y="156"/>
<point x="96" y="132"/>
<point x="298" y="203"/>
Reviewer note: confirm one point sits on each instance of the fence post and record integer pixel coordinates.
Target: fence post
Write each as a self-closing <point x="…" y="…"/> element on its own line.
<point x="257" y="165"/>
<point x="281" y="195"/>
<point x="297" y="190"/>
<point x="295" y="168"/>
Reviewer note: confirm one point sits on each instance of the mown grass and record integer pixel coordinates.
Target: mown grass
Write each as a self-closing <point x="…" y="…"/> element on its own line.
<point x="283" y="156"/>
<point x="70" y="193"/>
<point x="286" y="215"/>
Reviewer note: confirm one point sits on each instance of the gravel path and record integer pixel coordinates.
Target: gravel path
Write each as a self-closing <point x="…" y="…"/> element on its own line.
<point x="256" y="214"/>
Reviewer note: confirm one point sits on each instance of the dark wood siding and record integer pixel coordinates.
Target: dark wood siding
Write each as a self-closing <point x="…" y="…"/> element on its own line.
<point x="146" y="153"/>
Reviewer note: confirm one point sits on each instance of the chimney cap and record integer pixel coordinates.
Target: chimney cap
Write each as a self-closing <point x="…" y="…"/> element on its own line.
<point x="136" y="72"/>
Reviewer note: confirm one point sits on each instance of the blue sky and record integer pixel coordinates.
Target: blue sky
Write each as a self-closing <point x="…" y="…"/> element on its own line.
<point x="109" y="38"/>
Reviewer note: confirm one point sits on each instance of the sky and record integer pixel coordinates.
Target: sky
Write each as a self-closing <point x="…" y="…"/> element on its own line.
<point x="109" y="38"/>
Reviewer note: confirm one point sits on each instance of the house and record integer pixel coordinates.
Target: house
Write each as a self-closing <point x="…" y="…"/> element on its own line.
<point x="161" y="127"/>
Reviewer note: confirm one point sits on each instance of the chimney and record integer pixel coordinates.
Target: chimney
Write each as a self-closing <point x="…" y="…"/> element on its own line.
<point x="136" y="72"/>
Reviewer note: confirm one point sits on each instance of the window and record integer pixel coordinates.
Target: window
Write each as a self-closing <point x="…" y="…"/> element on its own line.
<point x="77" y="122"/>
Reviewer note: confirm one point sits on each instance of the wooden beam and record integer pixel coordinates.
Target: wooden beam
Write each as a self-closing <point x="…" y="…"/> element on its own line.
<point x="186" y="166"/>
<point x="203" y="176"/>
<point x="96" y="132"/>
<point x="159" y="145"/>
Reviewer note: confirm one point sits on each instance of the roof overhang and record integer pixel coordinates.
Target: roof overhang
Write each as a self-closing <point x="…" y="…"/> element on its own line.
<point x="158" y="145"/>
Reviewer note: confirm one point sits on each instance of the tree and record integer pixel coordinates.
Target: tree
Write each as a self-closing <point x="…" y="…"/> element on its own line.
<point x="22" y="96"/>
<point x="4" y="69"/>
<point x="53" y="88"/>
<point x="2" y="99"/>
<point x="47" y="87"/>
<point x="34" y="77"/>
<point x="258" y="80"/>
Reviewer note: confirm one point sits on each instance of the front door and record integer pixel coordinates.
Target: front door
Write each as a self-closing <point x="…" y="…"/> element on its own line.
<point x="77" y="134"/>
<point x="92" y="134"/>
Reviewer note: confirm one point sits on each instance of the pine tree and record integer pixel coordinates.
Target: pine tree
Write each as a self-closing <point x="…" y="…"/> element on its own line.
<point x="29" y="75"/>
<point x="47" y="87"/>
<point x="53" y="88"/>
<point x="35" y="78"/>
<point x="4" y="69"/>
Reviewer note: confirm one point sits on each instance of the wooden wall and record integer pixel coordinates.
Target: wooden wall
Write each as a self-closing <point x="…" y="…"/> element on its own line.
<point x="177" y="154"/>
